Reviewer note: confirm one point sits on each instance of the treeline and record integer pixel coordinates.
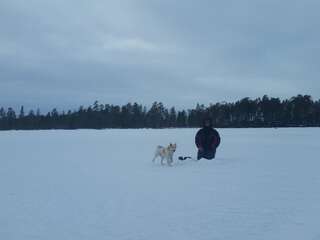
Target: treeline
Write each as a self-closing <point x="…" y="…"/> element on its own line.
<point x="261" y="112"/>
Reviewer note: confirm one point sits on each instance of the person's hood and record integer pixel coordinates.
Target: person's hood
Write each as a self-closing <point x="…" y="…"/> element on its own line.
<point x="205" y="120"/>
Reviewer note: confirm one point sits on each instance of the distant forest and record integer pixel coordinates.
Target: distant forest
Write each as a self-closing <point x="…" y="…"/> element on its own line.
<point x="298" y="111"/>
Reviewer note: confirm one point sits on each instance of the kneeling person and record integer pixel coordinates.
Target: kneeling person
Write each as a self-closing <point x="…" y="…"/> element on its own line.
<point x="207" y="140"/>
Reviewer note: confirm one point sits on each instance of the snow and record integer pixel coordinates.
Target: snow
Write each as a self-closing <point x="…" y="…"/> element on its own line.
<point x="102" y="184"/>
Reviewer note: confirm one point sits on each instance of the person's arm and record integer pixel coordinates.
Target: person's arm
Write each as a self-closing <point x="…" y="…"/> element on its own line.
<point x="216" y="139"/>
<point x="198" y="140"/>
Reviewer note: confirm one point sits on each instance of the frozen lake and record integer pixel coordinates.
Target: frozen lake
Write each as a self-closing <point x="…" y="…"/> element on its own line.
<point x="101" y="184"/>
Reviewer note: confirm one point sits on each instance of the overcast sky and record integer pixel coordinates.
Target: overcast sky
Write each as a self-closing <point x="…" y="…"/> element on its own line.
<point x="67" y="53"/>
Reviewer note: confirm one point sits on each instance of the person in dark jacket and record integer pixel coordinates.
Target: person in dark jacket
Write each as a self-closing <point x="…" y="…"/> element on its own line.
<point x="207" y="140"/>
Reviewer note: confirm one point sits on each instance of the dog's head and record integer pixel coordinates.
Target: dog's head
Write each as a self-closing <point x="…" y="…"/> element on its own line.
<point x="172" y="147"/>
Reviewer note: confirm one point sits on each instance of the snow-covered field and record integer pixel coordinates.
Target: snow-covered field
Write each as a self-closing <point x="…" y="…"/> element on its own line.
<point x="90" y="184"/>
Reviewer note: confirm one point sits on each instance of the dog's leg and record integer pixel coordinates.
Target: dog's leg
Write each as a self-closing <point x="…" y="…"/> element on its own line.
<point x="170" y="161"/>
<point x="156" y="154"/>
<point x="162" y="163"/>
<point x="154" y="158"/>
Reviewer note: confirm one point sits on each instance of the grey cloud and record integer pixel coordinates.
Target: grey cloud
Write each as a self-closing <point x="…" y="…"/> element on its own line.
<point x="64" y="54"/>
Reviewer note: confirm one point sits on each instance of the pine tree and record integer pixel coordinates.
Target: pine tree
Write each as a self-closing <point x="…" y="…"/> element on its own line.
<point x="21" y="115"/>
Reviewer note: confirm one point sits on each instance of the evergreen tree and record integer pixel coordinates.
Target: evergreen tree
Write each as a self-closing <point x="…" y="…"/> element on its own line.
<point x="172" y="117"/>
<point x="182" y="119"/>
<point x="21" y="115"/>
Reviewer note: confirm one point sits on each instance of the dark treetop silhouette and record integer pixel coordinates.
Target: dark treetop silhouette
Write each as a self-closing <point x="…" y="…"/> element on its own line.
<point x="261" y="112"/>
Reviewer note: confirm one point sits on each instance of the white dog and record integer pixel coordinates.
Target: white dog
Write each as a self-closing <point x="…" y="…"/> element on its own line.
<point x="165" y="153"/>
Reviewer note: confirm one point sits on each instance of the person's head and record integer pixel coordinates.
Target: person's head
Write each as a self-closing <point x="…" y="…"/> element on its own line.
<point x="207" y="122"/>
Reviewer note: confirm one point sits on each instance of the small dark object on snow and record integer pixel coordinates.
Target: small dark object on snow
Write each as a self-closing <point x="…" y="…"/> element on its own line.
<point x="184" y="158"/>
